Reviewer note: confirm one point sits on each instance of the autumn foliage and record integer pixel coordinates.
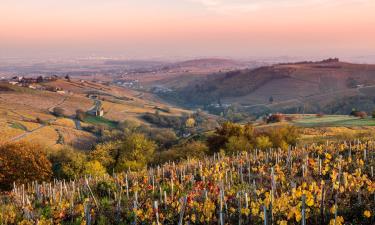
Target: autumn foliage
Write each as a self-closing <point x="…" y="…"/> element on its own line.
<point x="23" y="162"/>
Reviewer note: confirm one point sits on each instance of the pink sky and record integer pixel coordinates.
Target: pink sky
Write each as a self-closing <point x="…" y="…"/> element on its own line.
<point x="167" y="28"/>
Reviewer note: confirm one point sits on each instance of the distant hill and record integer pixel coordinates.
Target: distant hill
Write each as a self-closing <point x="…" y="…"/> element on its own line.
<point x="327" y="86"/>
<point x="208" y="62"/>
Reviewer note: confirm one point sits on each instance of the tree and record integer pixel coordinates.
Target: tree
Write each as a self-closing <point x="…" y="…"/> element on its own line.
<point x="373" y="114"/>
<point x="94" y="168"/>
<point x="270" y="100"/>
<point x="129" y="126"/>
<point x="238" y="144"/>
<point x="68" y="163"/>
<point x="23" y="162"/>
<point x="283" y="136"/>
<point x="106" y="154"/>
<point x="191" y="149"/>
<point x="222" y="134"/>
<point x="134" y="152"/>
<point x="163" y="137"/>
<point x="228" y="130"/>
<point x="190" y="123"/>
<point x="263" y="142"/>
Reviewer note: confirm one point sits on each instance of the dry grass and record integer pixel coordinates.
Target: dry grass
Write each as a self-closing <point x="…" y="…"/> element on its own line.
<point x="76" y="138"/>
<point x="46" y="135"/>
<point x="64" y="122"/>
<point x="6" y="132"/>
<point x="24" y="106"/>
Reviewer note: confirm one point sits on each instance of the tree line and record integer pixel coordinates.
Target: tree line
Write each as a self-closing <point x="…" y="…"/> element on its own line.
<point x="133" y="147"/>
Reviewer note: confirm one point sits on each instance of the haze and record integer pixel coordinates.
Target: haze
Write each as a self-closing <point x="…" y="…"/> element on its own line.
<point x="170" y="28"/>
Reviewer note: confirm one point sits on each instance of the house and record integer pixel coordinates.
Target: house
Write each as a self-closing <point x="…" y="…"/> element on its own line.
<point x="13" y="82"/>
<point x="360" y="85"/>
<point x="97" y="111"/>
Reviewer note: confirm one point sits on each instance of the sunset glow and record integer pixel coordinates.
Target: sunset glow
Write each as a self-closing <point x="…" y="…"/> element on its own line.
<point x="165" y="28"/>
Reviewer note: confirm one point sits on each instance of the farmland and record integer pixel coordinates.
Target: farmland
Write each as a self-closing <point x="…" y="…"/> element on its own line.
<point x="333" y="121"/>
<point x="331" y="183"/>
<point x="26" y="113"/>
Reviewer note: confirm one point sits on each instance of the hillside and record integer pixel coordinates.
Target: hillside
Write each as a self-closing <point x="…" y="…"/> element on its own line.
<point x="310" y="85"/>
<point x="27" y="113"/>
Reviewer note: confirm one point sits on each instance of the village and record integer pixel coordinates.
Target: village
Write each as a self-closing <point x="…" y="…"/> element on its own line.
<point x="35" y="83"/>
<point x="39" y="83"/>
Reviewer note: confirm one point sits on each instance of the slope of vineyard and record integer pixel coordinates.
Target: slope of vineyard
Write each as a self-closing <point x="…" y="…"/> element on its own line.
<point x="328" y="86"/>
<point x="331" y="183"/>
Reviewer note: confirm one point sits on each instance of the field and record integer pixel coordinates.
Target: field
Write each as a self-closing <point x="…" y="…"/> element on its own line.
<point x="100" y="120"/>
<point x="318" y="184"/>
<point x="333" y="121"/>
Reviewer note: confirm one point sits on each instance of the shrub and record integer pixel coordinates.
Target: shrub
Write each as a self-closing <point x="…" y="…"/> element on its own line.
<point x="320" y="115"/>
<point x="80" y="115"/>
<point x="40" y="121"/>
<point x="263" y="142"/>
<point x="275" y="118"/>
<point x="135" y="152"/>
<point x="94" y="168"/>
<point x="68" y="163"/>
<point x="360" y="114"/>
<point x="58" y="111"/>
<point x="238" y="144"/>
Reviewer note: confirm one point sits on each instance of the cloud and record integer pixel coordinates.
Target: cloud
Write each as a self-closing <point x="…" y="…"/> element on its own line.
<point x="229" y="6"/>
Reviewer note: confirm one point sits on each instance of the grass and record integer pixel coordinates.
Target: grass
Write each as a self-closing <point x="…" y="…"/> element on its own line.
<point x="333" y="121"/>
<point x="101" y="120"/>
<point x="17" y="125"/>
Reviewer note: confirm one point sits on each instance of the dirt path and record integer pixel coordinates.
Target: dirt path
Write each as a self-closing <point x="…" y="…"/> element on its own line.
<point x="19" y="137"/>
<point x="50" y="109"/>
<point x="78" y="124"/>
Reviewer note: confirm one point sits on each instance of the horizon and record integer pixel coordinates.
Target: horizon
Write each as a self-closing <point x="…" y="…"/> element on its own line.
<point x="187" y="28"/>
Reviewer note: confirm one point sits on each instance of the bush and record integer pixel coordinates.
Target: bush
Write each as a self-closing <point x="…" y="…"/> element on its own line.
<point x="320" y="115"/>
<point x="23" y="162"/>
<point x="94" y="168"/>
<point x="40" y="121"/>
<point x="134" y="152"/>
<point x="58" y="111"/>
<point x="80" y="115"/>
<point x="263" y="142"/>
<point x="275" y="118"/>
<point x="68" y="163"/>
<point x="238" y="144"/>
<point x="164" y="121"/>
<point x="360" y="114"/>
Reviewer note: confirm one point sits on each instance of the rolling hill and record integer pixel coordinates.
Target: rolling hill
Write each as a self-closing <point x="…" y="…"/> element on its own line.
<point x="26" y="113"/>
<point x="327" y="86"/>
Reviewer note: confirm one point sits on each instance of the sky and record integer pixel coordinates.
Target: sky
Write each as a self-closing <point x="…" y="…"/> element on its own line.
<point x="187" y="28"/>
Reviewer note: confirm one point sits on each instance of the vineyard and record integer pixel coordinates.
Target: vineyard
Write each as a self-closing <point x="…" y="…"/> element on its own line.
<point x="332" y="183"/>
